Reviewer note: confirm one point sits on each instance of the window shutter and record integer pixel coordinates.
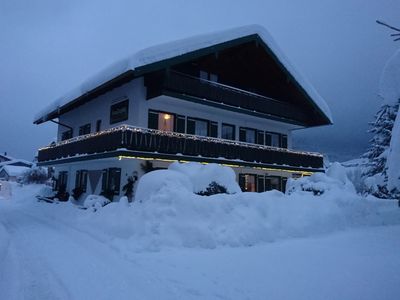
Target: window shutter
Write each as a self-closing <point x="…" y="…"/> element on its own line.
<point x="117" y="174"/>
<point x="283" y="184"/>
<point x="213" y="129"/>
<point x="180" y="124"/>
<point x="77" y="179"/>
<point x="260" y="137"/>
<point x="104" y="181"/>
<point x="153" y="120"/>
<point x="242" y="182"/>
<point x="268" y="184"/>
<point x="84" y="180"/>
<point x="260" y="183"/>
<point x="190" y="126"/>
<point x="242" y="135"/>
<point x="284" y="141"/>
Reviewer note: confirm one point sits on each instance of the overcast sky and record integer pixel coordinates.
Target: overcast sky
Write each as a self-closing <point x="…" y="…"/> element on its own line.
<point x="49" y="47"/>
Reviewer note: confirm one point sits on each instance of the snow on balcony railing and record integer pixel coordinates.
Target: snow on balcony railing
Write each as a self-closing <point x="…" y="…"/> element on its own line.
<point x="125" y="127"/>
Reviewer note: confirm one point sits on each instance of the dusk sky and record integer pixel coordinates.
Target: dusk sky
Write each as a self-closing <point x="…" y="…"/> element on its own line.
<point x="49" y="47"/>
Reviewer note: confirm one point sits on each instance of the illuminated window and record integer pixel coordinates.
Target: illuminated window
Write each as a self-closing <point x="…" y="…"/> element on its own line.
<point x="165" y="122"/>
<point x="247" y="182"/>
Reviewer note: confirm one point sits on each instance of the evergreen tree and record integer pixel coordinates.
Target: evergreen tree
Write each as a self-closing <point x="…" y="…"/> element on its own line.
<point x="376" y="155"/>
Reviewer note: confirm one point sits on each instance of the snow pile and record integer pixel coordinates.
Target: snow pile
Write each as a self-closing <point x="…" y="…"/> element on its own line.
<point x="390" y="92"/>
<point x="167" y="213"/>
<point x="335" y="180"/>
<point x="191" y="177"/>
<point x="95" y="202"/>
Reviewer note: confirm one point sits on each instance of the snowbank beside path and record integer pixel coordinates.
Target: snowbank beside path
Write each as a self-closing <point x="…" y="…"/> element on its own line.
<point x="4" y="242"/>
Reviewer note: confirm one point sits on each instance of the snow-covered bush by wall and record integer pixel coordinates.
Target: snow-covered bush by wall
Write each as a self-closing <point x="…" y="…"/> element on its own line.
<point x="335" y="180"/>
<point x="185" y="177"/>
<point x="35" y="175"/>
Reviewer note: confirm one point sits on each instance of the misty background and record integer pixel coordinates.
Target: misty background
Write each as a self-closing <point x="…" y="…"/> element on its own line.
<point x="49" y="47"/>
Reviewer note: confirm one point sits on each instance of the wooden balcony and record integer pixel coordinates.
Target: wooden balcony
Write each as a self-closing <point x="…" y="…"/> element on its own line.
<point x="156" y="143"/>
<point x="181" y="85"/>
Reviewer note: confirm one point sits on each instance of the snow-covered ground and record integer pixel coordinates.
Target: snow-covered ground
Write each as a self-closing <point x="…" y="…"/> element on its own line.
<point x="58" y="251"/>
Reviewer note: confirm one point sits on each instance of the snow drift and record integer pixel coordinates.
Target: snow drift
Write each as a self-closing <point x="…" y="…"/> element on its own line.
<point x="167" y="212"/>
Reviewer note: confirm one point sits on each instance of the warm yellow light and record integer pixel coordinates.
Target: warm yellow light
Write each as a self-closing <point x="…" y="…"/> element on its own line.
<point x="167" y="116"/>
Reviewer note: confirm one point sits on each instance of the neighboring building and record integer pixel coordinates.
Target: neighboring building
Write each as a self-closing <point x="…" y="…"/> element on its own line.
<point x="230" y="98"/>
<point x="8" y="160"/>
<point x="4" y="157"/>
<point x="12" y="173"/>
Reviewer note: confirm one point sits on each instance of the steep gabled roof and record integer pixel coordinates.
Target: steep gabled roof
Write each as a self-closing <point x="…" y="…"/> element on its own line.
<point x="150" y="59"/>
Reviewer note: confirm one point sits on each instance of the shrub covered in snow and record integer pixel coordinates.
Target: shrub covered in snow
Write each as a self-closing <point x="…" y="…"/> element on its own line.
<point x="188" y="177"/>
<point x="35" y="175"/>
<point x="95" y="202"/>
<point x="335" y="179"/>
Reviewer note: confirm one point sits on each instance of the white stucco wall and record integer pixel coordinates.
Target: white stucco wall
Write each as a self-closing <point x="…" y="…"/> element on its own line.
<point x="99" y="109"/>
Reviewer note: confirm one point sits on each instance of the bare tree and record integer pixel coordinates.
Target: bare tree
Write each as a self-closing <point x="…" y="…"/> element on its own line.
<point x="396" y="35"/>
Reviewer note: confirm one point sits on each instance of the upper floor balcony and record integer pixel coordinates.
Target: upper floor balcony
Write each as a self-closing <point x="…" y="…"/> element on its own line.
<point x="153" y="143"/>
<point x="180" y="85"/>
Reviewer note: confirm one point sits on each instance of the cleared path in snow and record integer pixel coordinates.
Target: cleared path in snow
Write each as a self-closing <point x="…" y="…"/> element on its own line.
<point x="42" y="258"/>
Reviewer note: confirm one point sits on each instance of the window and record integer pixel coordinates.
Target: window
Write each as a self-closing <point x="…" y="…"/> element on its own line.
<point x="272" y="183"/>
<point x="260" y="137"/>
<point x="85" y="129"/>
<point x="272" y="139"/>
<point x="152" y="120"/>
<point x="81" y="179"/>
<point x="98" y="125"/>
<point x="213" y="129"/>
<point x="247" y="182"/>
<point x="111" y="179"/>
<point x="180" y="124"/>
<point x="163" y="121"/>
<point x="197" y="127"/>
<point x="119" y="112"/>
<point x="208" y="76"/>
<point x="66" y="135"/>
<point x="228" y="132"/>
<point x="247" y="135"/>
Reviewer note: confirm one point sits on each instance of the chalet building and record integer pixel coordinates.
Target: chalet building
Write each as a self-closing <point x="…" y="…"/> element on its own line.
<point x="229" y="97"/>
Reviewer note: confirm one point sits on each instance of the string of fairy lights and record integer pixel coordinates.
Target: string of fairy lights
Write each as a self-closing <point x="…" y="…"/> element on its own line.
<point x="173" y="134"/>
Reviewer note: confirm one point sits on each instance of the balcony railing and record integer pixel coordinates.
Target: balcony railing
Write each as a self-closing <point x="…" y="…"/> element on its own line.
<point x="205" y="90"/>
<point x="171" y="143"/>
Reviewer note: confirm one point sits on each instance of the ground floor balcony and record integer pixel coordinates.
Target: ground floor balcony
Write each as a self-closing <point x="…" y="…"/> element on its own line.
<point x="143" y="142"/>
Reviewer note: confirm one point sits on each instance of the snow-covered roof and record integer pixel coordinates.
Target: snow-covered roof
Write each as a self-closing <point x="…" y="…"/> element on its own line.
<point x="180" y="47"/>
<point x="14" y="161"/>
<point x="14" y="170"/>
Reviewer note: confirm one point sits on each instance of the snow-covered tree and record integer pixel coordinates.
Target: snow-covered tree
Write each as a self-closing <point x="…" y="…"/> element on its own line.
<point x="381" y="173"/>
